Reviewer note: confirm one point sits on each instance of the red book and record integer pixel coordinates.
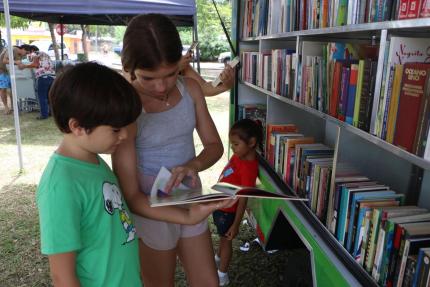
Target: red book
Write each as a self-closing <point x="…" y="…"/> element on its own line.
<point x="414" y="9"/>
<point x="411" y="98"/>
<point x="276" y="128"/>
<point x="335" y="91"/>
<point x="425" y="9"/>
<point x="290" y="151"/>
<point x="403" y="9"/>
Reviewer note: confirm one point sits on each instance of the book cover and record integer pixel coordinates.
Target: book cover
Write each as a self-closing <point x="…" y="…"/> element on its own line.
<point x="219" y="191"/>
<point x="401" y="50"/>
<point x="411" y="98"/>
<point x="425" y="9"/>
<point x="394" y="104"/>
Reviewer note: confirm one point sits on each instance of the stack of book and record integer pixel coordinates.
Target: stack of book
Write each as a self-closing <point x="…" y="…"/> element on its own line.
<point x="268" y="17"/>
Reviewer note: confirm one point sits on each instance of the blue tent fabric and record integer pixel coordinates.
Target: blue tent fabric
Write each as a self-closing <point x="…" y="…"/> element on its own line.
<point x="101" y="12"/>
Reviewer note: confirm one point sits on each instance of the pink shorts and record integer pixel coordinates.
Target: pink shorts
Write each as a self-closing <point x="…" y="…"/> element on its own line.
<point x="162" y="235"/>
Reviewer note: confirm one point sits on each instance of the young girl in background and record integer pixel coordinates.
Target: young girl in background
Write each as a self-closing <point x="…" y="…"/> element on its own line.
<point x="242" y="169"/>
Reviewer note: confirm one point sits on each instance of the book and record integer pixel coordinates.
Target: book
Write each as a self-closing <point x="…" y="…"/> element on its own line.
<point x="185" y="195"/>
<point x="411" y="99"/>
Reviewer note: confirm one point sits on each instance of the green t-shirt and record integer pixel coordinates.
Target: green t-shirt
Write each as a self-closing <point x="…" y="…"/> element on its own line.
<point x="81" y="209"/>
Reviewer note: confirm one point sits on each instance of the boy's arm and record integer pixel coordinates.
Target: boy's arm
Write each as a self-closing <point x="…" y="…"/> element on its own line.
<point x="234" y="229"/>
<point x="63" y="270"/>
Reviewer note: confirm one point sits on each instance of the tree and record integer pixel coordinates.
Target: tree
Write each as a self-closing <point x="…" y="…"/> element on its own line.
<point x="15" y="22"/>
<point x="53" y="39"/>
<point x="211" y="35"/>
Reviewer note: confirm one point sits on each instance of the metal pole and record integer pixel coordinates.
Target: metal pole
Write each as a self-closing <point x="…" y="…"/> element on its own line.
<point x="13" y="81"/>
<point x="197" y="39"/>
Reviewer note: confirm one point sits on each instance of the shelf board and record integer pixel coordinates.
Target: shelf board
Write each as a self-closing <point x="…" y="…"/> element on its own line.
<point x="398" y="25"/>
<point x="416" y="160"/>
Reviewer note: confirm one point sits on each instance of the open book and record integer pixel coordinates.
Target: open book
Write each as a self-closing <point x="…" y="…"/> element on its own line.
<point x="185" y="195"/>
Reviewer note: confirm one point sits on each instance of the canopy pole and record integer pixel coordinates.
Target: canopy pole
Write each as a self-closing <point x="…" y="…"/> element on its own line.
<point x="196" y="38"/>
<point x="13" y="82"/>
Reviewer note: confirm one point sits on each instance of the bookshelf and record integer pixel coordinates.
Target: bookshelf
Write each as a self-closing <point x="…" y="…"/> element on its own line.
<point x="279" y="223"/>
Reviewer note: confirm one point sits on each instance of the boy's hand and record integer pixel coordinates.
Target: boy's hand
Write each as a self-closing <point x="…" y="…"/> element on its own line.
<point x="232" y="232"/>
<point x="200" y="211"/>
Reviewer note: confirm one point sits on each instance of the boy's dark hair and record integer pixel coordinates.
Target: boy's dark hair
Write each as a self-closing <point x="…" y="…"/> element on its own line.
<point x="149" y="41"/>
<point x="94" y="95"/>
<point x="246" y="129"/>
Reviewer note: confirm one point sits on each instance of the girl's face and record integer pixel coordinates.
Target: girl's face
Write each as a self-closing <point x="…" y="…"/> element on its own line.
<point x="156" y="83"/>
<point x="240" y="148"/>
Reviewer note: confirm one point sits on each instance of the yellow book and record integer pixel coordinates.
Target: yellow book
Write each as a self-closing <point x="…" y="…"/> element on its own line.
<point x="358" y="93"/>
<point x="394" y="104"/>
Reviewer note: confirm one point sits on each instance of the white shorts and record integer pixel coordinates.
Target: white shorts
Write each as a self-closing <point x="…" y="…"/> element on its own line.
<point x="162" y="235"/>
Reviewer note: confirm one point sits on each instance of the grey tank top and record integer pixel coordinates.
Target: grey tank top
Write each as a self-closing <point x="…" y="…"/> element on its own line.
<point x="166" y="138"/>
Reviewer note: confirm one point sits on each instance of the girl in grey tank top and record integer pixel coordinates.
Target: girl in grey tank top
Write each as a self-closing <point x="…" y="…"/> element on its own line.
<point x="172" y="148"/>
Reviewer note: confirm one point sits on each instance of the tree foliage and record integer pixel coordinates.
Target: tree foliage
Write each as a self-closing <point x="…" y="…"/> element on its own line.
<point x="211" y="35"/>
<point x="15" y="22"/>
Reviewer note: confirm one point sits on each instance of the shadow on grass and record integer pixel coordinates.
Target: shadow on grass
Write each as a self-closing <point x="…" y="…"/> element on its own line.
<point x="21" y="263"/>
<point x="33" y="131"/>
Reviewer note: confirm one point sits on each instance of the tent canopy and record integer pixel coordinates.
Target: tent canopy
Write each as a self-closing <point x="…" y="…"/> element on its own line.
<point x="101" y="12"/>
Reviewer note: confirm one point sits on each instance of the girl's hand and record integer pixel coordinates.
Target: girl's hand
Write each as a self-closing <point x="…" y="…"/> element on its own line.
<point x="200" y="211"/>
<point x="231" y="232"/>
<point x="179" y="173"/>
<point x="227" y="76"/>
<point x="185" y="61"/>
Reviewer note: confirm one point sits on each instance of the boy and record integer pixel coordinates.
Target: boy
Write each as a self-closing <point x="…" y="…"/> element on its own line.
<point x="85" y="224"/>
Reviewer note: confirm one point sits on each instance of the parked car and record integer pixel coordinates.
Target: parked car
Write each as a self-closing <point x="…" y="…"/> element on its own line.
<point x="224" y="57"/>
<point x="48" y="48"/>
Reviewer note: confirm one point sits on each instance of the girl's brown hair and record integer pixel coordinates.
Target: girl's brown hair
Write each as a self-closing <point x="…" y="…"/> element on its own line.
<point x="149" y="41"/>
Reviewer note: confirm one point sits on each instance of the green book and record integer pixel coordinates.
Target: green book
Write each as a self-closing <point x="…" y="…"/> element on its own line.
<point x="358" y="93"/>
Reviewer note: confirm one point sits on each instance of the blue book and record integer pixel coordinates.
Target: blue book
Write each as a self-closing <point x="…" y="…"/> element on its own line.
<point x="346" y="195"/>
<point x="358" y="235"/>
<point x="362" y="196"/>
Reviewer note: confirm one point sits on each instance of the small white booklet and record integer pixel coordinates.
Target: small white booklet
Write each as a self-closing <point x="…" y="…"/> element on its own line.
<point x="185" y="195"/>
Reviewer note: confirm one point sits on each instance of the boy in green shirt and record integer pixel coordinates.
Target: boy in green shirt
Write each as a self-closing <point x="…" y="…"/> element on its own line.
<point x="85" y="224"/>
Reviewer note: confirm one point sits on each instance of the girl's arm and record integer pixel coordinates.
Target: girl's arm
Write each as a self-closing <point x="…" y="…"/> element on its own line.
<point x="124" y="165"/>
<point x="63" y="270"/>
<point x="234" y="229"/>
<point x="227" y="80"/>
<point x="212" y="145"/>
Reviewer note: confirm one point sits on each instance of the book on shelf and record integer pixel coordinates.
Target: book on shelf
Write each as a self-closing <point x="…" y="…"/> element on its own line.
<point x="271" y="128"/>
<point x="421" y="277"/>
<point x="345" y="201"/>
<point x="410" y="103"/>
<point x="401" y="50"/>
<point x="390" y="228"/>
<point x="384" y="215"/>
<point x="334" y="196"/>
<point x="219" y="191"/>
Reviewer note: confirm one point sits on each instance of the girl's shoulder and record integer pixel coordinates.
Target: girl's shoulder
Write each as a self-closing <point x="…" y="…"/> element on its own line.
<point x="194" y="89"/>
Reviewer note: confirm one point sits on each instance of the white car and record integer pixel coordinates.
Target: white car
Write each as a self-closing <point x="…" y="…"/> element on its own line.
<point x="48" y="48"/>
<point x="224" y="57"/>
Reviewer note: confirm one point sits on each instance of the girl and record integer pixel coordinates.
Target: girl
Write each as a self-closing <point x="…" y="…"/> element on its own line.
<point x="173" y="107"/>
<point x="242" y="169"/>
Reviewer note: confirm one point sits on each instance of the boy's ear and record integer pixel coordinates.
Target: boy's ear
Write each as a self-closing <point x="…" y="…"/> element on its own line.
<point x="75" y="128"/>
<point x="252" y="142"/>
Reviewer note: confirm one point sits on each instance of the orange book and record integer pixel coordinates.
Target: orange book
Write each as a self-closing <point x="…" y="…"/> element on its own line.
<point x="270" y="128"/>
<point x="289" y="149"/>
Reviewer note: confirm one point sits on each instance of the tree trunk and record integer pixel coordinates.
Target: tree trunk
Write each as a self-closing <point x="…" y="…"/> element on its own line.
<point x="54" y="41"/>
<point x="84" y="41"/>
